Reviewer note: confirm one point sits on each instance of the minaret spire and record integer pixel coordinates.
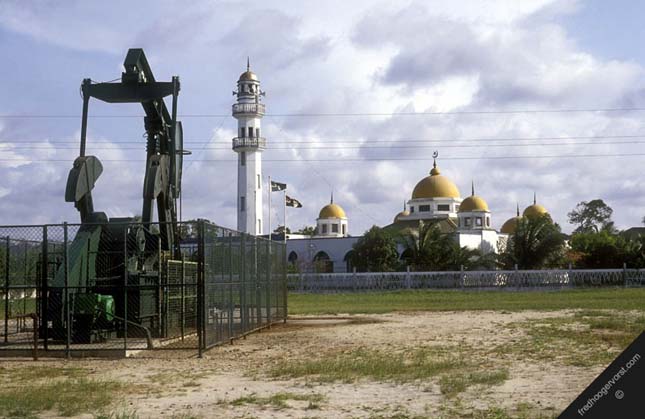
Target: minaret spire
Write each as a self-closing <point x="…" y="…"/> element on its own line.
<point x="248" y="63"/>
<point x="472" y="184"/>
<point x="332" y="196"/>
<point x="518" y="209"/>
<point x="534" y="198"/>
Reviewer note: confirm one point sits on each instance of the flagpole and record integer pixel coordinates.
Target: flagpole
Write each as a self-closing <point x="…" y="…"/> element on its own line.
<point x="269" y="189"/>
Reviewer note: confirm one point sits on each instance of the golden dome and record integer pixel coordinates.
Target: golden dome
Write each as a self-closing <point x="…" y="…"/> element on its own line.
<point x="473" y="203"/>
<point x="435" y="186"/>
<point x="535" y="210"/>
<point x="403" y="213"/>
<point x="332" y="210"/>
<point x="510" y="225"/>
<point x="248" y="76"/>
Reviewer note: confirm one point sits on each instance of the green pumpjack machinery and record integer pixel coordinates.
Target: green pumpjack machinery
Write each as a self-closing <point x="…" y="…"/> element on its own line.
<point x="111" y="281"/>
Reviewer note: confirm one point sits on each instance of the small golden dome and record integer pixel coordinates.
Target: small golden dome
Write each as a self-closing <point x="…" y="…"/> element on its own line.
<point x="435" y="186"/>
<point x="510" y="225"/>
<point x="403" y="213"/>
<point x="473" y="203"/>
<point x="248" y="76"/>
<point x="535" y="210"/>
<point x="332" y="210"/>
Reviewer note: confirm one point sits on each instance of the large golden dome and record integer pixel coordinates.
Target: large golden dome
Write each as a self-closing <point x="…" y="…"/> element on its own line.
<point x="332" y="211"/>
<point x="435" y="186"/>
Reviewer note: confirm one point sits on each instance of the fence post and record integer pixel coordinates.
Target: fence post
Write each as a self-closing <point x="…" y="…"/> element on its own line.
<point x="408" y="277"/>
<point x="200" y="290"/>
<point x="44" y="289"/>
<point x="285" y="308"/>
<point x="6" y="290"/>
<point x="462" y="278"/>
<point x="268" y="276"/>
<point x="68" y="318"/>
<point x="125" y="288"/>
<point x="625" y="274"/>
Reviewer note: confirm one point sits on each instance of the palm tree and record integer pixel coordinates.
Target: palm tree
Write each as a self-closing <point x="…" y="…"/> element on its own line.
<point x="537" y="243"/>
<point x="428" y="249"/>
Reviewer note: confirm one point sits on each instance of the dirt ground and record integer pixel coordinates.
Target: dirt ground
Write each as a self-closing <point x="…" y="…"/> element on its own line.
<point x="231" y="380"/>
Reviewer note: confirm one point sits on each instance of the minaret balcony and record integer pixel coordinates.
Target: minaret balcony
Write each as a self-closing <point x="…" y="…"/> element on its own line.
<point x="259" y="143"/>
<point x="250" y="109"/>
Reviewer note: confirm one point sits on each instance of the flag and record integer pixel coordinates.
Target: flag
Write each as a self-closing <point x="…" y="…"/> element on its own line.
<point x="292" y="202"/>
<point x="277" y="186"/>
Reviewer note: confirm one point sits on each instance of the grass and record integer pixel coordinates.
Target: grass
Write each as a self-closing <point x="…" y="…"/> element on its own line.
<point x="68" y="397"/>
<point x="587" y="338"/>
<point x="455" y="300"/>
<point x="415" y="364"/>
<point x="453" y="384"/>
<point x="279" y="400"/>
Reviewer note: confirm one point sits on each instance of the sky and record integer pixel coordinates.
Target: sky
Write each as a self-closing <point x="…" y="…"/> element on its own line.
<point x="518" y="97"/>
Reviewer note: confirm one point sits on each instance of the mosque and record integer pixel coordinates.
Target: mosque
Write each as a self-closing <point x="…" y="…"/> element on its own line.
<point x="435" y="198"/>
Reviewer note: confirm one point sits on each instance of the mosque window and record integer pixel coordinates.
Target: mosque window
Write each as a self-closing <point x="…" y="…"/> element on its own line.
<point x="443" y="207"/>
<point x="241" y="131"/>
<point x="487" y="221"/>
<point x="259" y="182"/>
<point x="456" y="207"/>
<point x="334" y="228"/>
<point x="411" y="210"/>
<point x="344" y="229"/>
<point x="242" y="204"/>
<point x="424" y="208"/>
<point x="250" y="131"/>
<point x="467" y="222"/>
<point x="478" y="221"/>
<point x="324" y="229"/>
<point x="257" y="132"/>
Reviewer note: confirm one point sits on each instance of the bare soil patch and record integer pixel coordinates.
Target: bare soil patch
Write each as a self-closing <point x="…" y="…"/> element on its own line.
<point x="494" y="368"/>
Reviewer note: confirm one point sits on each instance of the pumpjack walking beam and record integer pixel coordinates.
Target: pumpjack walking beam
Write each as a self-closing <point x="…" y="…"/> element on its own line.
<point x="162" y="181"/>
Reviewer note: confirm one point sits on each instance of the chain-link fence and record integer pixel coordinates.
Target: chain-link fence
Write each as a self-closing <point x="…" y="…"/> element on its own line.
<point x="111" y="288"/>
<point x="514" y="279"/>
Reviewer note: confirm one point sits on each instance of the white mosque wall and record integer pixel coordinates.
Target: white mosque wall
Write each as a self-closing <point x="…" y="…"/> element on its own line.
<point x="306" y="250"/>
<point x="484" y="240"/>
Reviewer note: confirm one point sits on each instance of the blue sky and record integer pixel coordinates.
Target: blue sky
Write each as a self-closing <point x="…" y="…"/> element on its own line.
<point x="365" y="57"/>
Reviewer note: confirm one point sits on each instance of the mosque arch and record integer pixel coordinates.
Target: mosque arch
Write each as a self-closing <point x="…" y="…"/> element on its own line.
<point x="323" y="263"/>
<point x="349" y="266"/>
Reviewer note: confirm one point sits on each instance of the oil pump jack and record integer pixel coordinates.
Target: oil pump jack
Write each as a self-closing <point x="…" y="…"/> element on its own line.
<point x="87" y="300"/>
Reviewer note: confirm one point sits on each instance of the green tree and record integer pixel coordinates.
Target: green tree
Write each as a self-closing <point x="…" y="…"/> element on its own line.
<point x="307" y="231"/>
<point x="375" y="252"/>
<point x="591" y="216"/>
<point x="428" y="249"/>
<point x="280" y="230"/>
<point x="537" y="243"/>
<point x="603" y="250"/>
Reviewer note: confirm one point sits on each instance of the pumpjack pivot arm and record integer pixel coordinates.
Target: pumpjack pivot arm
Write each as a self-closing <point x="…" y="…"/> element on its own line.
<point x="164" y="148"/>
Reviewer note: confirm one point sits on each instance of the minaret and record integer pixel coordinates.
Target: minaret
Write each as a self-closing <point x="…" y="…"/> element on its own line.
<point x="249" y="146"/>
